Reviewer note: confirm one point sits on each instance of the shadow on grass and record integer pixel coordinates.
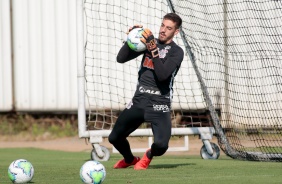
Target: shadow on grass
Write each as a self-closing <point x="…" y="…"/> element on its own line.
<point x="167" y="166"/>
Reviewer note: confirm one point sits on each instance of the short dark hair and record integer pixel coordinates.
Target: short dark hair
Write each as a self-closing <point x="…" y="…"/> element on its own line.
<point x="174" y="18"/>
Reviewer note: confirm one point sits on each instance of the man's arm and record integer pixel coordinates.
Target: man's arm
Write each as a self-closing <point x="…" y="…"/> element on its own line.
<point x="163" y="70"/>
<point x="125" y="54"/>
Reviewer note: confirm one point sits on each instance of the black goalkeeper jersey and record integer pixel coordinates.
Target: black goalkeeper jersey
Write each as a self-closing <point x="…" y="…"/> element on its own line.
<point x="157" y="72"/>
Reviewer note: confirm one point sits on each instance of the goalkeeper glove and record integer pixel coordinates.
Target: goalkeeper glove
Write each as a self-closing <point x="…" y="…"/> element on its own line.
<point x="149" y="40"/>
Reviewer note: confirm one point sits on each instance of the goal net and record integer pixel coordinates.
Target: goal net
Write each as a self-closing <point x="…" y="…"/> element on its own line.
<point x="230" y="78"/>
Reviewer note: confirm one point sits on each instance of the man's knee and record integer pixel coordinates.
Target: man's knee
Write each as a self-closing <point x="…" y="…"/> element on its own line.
<point x="159" y="149"/>
<point x="112" y="138"/>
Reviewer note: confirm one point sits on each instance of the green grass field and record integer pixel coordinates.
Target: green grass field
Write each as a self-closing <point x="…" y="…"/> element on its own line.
<point x="57" y="167"/>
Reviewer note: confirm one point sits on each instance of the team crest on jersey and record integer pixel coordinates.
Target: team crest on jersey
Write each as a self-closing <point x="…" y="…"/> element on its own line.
<point x="167" y="47"/>
<point x="162" y="53"/>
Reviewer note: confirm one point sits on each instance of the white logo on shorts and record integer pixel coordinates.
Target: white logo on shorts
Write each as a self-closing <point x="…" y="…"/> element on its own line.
<point x="163" y="108"/>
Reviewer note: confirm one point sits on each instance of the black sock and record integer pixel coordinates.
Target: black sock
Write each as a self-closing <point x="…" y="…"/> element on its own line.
<point x="129" y="160"/>
<point x="149" y="154"/>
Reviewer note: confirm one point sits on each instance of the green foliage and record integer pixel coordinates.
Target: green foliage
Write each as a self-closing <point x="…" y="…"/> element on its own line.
<point x="34" y="126"/>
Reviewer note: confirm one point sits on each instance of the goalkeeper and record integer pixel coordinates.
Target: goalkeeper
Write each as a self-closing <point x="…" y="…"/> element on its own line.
<point x="152" y="99"/>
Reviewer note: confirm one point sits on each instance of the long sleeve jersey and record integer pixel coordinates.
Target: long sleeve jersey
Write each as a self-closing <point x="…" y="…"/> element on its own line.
<point x="156" y="72"/>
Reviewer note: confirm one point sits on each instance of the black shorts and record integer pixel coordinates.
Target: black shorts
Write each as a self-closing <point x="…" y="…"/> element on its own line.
<point x="149" y="107"/>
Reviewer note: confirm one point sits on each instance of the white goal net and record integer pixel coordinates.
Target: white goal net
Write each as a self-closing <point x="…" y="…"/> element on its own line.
<point x="110" y="85"/>
<point x="230" y="78"/>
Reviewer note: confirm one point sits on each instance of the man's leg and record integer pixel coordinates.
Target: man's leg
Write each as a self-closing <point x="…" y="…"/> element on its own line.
<point x="161" y="127"/>
<point x="128" y="121"/>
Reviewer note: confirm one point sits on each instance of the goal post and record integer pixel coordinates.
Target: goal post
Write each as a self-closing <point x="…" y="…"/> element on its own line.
<point x="229" y="84"/>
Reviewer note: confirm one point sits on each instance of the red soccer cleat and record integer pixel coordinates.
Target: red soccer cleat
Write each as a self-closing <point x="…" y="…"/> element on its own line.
<point x="143" y="163"/>
<point x="122" y="164"/>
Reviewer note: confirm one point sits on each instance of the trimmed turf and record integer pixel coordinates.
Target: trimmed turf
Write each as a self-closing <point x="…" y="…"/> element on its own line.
<point x="57" y="167"/>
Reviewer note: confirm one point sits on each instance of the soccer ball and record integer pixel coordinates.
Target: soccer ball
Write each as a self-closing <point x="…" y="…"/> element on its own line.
<point x="133" y="40"/>
<point x="20" y="171"/>
<point x="92" y="172"/>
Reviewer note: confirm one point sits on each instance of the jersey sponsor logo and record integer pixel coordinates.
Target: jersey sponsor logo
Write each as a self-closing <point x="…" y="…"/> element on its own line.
<point x="148" y="63"/>
<point x="163" y="108"/>
<point x="150" y="91"/>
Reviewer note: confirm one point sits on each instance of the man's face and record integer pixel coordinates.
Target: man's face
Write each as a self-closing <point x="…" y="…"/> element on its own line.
<point x="167" y="31"/>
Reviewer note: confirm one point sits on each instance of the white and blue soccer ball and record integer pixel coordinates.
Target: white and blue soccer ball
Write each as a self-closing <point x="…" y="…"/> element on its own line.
<point x="20" y="171"/>
<point x="133" y="40"/>
<point x="92" y="172"/>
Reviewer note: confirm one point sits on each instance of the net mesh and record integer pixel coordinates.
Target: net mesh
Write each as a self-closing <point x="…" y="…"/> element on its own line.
<point x="230" y="77"/>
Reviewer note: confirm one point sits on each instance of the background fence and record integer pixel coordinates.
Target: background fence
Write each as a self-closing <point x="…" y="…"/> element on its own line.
<point x="38" y="55"/>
